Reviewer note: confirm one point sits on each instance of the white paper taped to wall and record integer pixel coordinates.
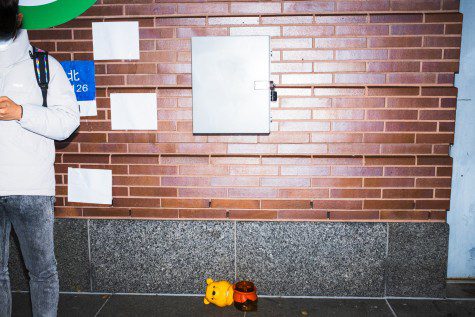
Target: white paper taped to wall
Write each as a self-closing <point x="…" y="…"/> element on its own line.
<point x="134" y="111"/>
<point x="90" y="186"/>
<point x="116" y="40"/>
<point x="88" y="108"/>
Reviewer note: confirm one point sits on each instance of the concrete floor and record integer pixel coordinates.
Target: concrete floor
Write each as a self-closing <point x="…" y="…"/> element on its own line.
<point x="460" y="302"/>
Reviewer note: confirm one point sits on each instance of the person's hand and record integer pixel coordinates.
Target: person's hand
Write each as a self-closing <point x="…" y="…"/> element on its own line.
<point x="9" y="110"/>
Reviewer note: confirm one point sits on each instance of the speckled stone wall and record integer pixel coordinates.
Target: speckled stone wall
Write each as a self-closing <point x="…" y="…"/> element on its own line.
<point x="283" y="258"/>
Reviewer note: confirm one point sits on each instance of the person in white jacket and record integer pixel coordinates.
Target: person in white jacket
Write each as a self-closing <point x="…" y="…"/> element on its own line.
<point x="27" y="154"/>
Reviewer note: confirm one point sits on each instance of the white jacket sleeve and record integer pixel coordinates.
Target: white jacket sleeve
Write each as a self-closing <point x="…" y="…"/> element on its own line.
<point x="61" y="118"/>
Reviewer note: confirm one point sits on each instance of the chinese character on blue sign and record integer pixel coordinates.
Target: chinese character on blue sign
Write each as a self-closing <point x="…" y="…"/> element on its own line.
<point x="81" y="75"/>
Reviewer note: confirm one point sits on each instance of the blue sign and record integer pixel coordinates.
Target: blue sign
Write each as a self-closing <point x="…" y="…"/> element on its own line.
<point x="81" y="74"/>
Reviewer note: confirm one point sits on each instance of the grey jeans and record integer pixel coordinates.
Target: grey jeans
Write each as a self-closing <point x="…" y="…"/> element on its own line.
<point x="32" y="218"/>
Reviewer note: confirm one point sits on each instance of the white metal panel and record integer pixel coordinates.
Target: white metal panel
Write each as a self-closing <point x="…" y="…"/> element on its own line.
<point x="224" y="72"/>
<point x="461" y="216"/>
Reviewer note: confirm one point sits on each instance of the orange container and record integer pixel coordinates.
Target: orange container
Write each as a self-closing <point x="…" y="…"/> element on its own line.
<point x="245" y="296"/>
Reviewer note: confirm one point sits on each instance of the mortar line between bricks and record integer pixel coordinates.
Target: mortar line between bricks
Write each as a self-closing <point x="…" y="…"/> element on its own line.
<point x="336" y="13"/>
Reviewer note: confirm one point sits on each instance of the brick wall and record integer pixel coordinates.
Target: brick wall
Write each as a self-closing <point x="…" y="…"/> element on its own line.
<point x="360" y="132"/>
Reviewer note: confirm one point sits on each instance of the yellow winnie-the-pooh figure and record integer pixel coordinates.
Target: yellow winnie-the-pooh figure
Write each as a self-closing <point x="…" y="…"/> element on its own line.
<point x="219" y="293"/>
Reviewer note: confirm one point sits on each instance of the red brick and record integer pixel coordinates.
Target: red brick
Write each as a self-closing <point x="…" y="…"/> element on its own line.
<point x="450" y="4"/>
<point x="208" y="8"/>
<point x="417" y="29"/>
<point x="322" y="42"/>
<point x="153" y="191"/>
<point x="389" y="182"/>
<point x="364" y="6"/>
<point x="433" y="182"/>
<point x="439" y="91"/>
<point x="411" y="126"/>
<point x="134" y="159"/>
<point x="444" y="17"/>
<point x="413" y="54"/>
<point x="252" y="192"/>
<point x="185" y="203"/>
<point x="202" y="213"/>
<point x="356" y="171"/>
<point x="355" y="193"/>
<point x="361" y="54"/>
<point x="393" y="66"/>
<point x="392" y="91"/>
<point x="408" y="193"/>
<point x="327" y="142"/>
<point x="348" y="204"/>
<point x="357" y="126"/>
<point x="303" y="193"/>
<point x="433" y="204"/>
<point x="235" y="204"/>
<point x="406" y="149"/>
<point x="413" y="102"/>
<point x="405" y="41"/>
<point x="407" y="5"/>
<point x="106" y="212"/>
<point x="136" y="202"/>
<point x="451" y="53"/>
<point x="285" y="182"/>
<point x="389" y="204"/>
<point x="255" y="7"/>
<point x="453" y="29"/>
<point x="352" y="149"/>
<point x="395" y="18"/>
<point x="412" y="78"/>
<point x="438" y="215"/>
<point x="337" y="137"/>
<point x="391" y="114"/>
<point x="235" y="181"/>
<point x="403" y="215"/>
<point x="409" y="171"/>
<point x="308" y="30"/>
<point x="136" y="180"/>
<point x="358" y="102"/>
<point x="308" y="6"/>
<point x="285" y="204"/>
<point x="437" y="115"/>
<point x="442" y="41"/>
<point x="341" y="19"/>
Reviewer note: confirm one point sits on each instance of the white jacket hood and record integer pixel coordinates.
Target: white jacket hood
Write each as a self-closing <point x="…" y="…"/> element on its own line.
<point x="27" y="146"/>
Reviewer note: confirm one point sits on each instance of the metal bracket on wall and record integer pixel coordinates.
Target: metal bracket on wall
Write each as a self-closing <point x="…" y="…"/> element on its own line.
<point x="266" y="85"/>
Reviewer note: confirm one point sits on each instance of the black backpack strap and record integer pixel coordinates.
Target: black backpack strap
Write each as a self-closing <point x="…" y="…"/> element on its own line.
<point x="41" y="65"/>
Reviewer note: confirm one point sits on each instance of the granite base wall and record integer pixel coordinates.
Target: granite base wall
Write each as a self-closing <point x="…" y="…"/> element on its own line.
<point x="372" y="259"/>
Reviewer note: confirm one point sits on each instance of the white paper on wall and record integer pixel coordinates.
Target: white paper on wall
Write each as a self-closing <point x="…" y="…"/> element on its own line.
<point x="88" y="108"/>
<point x="90" y="186"/>
<point x="116" y="40"/>
<point x="134" y="111"/>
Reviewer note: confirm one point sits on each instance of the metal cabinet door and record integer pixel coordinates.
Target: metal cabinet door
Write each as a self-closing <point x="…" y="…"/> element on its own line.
<point x="226" y="73"/>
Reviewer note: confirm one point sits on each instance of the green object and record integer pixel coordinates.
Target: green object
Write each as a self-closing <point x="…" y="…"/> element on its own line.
<point x="53" y="14"/>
